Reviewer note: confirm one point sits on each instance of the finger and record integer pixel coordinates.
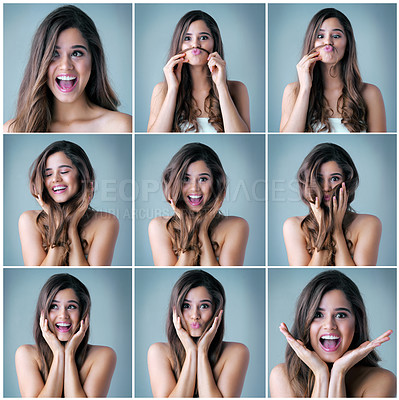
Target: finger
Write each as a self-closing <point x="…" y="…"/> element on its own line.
<point x="335" y="204"/>
<point x="384" y="337"/>
<point x="41" y="320"/>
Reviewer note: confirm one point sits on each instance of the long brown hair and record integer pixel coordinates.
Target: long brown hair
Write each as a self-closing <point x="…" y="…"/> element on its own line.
<point x="189" y="280"/>
<point x="186" y="111"/>
<point x="50" y="289"/>
<point x="35" y="100"/>
<point x="321" y="238"/>
<point x="300" y="376"/>
<point x="185" y="238"/>
<point x="57" y="235"/>
<point x="351" y="103"/>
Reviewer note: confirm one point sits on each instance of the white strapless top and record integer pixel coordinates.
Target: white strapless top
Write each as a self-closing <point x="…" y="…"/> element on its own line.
<point x="203" y="126"/>
<point x="336" y="126"/>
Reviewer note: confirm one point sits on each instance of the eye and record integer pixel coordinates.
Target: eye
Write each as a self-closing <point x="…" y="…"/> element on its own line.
<point x="336" y="36"/>
<point x="47" y="175"/>
<point x="186" y="305"/>
<point x="204" y="37"/>
<point x="318" y="314"/>
<point x="77" y="53"/>
<point x="186" y="179"/>
<point x="53" y="307"/>
<point x="64" y="172"/>
<point x="203" y="179"/>
<point x="341" y="315"/>
<point x="320" y="36"/>
<point x="55" y="54"/>
<point x="204" y="306"/>
<point x="187" y="38"/>
<point x="72" y="307"/>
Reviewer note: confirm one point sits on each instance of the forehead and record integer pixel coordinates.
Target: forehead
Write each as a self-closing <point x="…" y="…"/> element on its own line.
<point x="198" y="26"/>
<point x="65" y="295"/>
<point x="198" y="293"/>
<point x="198" y="167"/>
<point x="58" y="158"/>
<point x="332" y="23"/>
<point x="330" y="167"/>
<point x="335" y="299"/>
<point x="71" y="37"/>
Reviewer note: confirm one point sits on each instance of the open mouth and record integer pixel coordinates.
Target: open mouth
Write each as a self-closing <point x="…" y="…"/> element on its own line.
<point x="63" y="327"/>
<point x="59" y="189"/>
<point x="330" y="343"/>
<point x="66" y="83"/>
<point x="194" y="199"/>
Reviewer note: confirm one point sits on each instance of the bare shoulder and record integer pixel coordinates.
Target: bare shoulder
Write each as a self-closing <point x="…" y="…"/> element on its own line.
<point x="372" y="382"/>
<point x="237" y="88"/>
<point x="369" y="91"/>
<point x="27" y="218"/>
<point x="279" y="382"/>
<point x="235" y="350"/>
<point x="27" y="352"/>
<point x="160" y="90"/>
<point x="158" y="225"/>
<point x="7" y="125"/>
<point x="103" y="220"/>
<point x="115" y="121"/>
<point x="159" y="353"/>
<point x="293" y="225"/>
<point x="102" y="354"/>
<point x="291" y="90"/>
<point x="231" y="222"/>
<point x="366" y="221"/>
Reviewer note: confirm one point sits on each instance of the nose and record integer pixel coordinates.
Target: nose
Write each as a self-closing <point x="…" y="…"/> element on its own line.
<point x="65" y="62"/>
<point x="56" y="177"/>
<point x="326" y="185"/>
<point x="329" y="322"/>
<point x="194" y="185"/>
<point x="64" y="313"/>
<point x="195" y="313"/>
<point x="197" y="42"/>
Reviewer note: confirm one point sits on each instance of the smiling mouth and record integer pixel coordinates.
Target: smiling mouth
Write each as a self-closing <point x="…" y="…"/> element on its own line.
<point x="330" y="343"/>
<point x="195" y="200"/>
<point x="63" y="327"/>
<point x="59" y="189"/>
<point x="66" y="83"/>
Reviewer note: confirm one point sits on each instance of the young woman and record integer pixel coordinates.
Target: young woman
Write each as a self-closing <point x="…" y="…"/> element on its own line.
<point x="329" y="94"/>
<point x="62" y="363"/>
<point x="66" y="231"/>
<point x="328" y="352"/>
<point x="65" y="86"/>
<point x="196" y="95"/>
<point x="194" y="183"/>
<point x="332" y="233"/>
<point x="196" y="362"/>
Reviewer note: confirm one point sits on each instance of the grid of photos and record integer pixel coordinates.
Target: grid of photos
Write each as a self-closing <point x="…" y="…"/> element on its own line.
<point x="199" y="199"/>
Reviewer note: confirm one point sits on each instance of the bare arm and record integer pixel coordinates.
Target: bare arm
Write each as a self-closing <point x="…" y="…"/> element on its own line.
<point x="376" y="117"/>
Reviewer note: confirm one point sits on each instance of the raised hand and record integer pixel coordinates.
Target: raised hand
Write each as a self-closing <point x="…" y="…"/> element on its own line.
<point x="44" y="206"/>
<point x="305" y="69"/>
<point x="217" y="66"/>
<point x="172" y="70"/>
<point x="339" y="208"/>
<point x="206" y="340"/>
<point x="310" y="358"/>
<point x="183" y="335"/>
<point x="211" y="215"/>
<point x="73" y="343"/>
<point x="352" y="357"/>
<point x="50" y="338"/>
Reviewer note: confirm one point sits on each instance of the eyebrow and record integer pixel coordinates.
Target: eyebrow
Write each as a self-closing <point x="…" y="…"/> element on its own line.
<point x="60" y="166"/>
<point x="201" y="301"/>
<point x="76" y="46"/>
<point x="69" y="301"/>
<point x="333" y="174"/>
<point x="200" y="33"/>
<point x="336" y="309"/>
<point x="334" y="30"/>
<point x="201" y="174"/>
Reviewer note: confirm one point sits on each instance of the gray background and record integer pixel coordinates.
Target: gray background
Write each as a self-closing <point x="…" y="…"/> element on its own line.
<point x="111" y="158"/>
<point x="244" y="319"/>
<point x="110" y="320"/>
<point x="375" y="160"/>
<point x="374" y="26"/>
<point x="243" y="159"/>
<point x="377" y="287"/>
<point x="114" y="25"/>
<point x="242" y="27"/>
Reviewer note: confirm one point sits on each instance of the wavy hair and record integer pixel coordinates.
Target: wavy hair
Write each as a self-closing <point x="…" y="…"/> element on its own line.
<point x="187" y="111"/>
<point x="35" y="100"/>
<point x="54" y="235"/>
<point x="55" y="284"/>
<point x="351" y="103"/>
<point x="321" y="238"/>
<point x="301" y="377"/>
<point x="184" y="232"/>
<point x="190" y="280"/>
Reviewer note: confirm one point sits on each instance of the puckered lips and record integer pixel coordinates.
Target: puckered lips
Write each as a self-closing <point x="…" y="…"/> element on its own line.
<point x="195" y="325"/>
<point x="329" y="342"/>
<point x="195" y="199"/>
<point x="66" y="83"/>
<point x="58" y="189"/>
<point x="63" y="327"/>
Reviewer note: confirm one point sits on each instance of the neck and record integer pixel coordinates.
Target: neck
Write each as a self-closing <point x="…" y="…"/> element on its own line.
<point x="332" y="76"/>
<point x="68" y="112"/>
<point x="199" y="77"/>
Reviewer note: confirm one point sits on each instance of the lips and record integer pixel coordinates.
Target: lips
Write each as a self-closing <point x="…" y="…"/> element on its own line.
<point x="63" y="327"/>
<point x="196" y="51"/>
<point x="195" y="325"/>
<point x="329" y="342"/>
<point x="328" y="48"/>
<point x="326" y="198"/>
<point x="195" y="199"/>
<point x="66" y="83"/>
<point x="59" y="189"/>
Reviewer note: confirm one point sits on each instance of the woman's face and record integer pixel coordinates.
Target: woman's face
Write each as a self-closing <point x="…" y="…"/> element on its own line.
<point x="197" y="185"/>
<point x="198" y="310"/>
<point x="329" y="177"/>
<point x="199" y="37"/>
<point x="64" y="314"/>
<point x="331" y="33"/>
<point x="61" y="177"/>
<point x="333" y="326"/>
<point x="70" y="68"/>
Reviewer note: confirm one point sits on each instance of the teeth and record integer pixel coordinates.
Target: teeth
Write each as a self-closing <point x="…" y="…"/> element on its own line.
<point x="63" y="324"/>
<point x="194" y="196"/>
<point x="330" y="337"/>
<point x="57" y="188"/>
<point x="66" y="78"/>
